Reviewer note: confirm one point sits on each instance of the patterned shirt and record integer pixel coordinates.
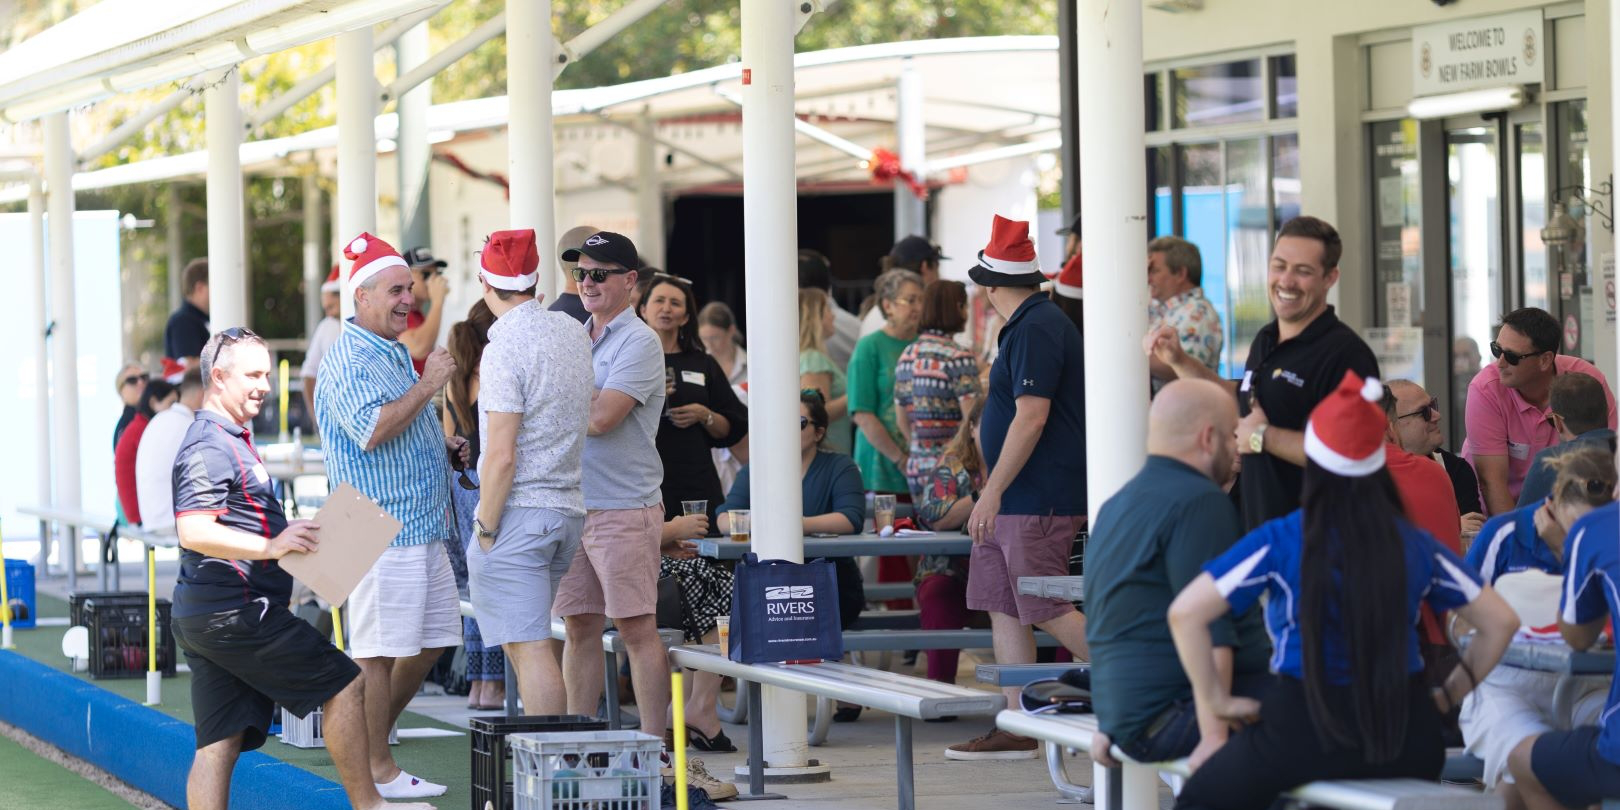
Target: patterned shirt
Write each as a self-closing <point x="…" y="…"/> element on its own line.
<point x="931" y="378"/>
<point x="408" y="475"/>
<point x="1196" y="322"/>
<point x="538" y="364"/>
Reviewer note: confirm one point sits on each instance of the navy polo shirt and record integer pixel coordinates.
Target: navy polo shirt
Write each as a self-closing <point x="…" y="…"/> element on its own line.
<point x="1290" y="377"/>
<point x="186" y="333"/>
<point x="1508" y="544"/>
<point x="1040" y="355"/>
<point x="218" y="472"/>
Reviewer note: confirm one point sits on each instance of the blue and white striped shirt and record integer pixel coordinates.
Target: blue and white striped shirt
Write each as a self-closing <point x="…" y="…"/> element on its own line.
<point x="408" y="475"/>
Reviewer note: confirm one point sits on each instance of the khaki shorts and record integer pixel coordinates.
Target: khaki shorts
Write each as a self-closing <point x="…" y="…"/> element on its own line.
<point x="615" y="571"/>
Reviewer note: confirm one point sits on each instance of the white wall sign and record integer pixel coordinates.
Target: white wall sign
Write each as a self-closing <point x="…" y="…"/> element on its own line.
<point x="1497" y="51"/>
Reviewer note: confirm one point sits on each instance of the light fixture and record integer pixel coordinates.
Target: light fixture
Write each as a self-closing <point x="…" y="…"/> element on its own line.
<point x="1561" y="229"/>
<point x="1491" y="99"/>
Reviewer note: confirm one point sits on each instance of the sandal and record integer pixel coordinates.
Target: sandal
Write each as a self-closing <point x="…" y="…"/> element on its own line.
<point x="718" y="744"/>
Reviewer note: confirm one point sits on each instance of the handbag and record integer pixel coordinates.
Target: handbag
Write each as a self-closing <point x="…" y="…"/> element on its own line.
<point x="783" y="611"/>
<point x="670" y="612"/>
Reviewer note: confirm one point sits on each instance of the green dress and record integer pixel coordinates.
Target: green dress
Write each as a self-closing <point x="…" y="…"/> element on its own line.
<point x="841" y="432"/>
<point x="871" y="390"/>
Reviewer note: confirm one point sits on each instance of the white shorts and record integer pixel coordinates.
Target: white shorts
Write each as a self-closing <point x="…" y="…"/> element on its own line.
<point x="1513" y="704"/>
<point x="405" y="604"/>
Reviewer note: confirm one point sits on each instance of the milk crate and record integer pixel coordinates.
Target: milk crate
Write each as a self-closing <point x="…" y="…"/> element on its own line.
<point x="585" y="770"/>
<point x="306" y="733"/>
<point x="118" y="639"/>
<point x="492" y="754"/>
<point x="76" y="600"/>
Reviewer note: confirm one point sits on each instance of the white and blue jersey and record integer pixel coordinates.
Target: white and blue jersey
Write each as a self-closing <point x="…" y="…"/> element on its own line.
<point x="1508" y="544"/>
<point x="1267" y="561"/>
<point x="1593" y="551"/>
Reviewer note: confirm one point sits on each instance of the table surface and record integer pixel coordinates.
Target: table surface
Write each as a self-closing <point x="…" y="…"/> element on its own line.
<point x="953" y="544"/>
<point x="1071" y="588"/>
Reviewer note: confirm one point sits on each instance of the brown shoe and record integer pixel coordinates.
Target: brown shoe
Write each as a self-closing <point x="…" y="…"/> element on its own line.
<point x="996" y="744"/>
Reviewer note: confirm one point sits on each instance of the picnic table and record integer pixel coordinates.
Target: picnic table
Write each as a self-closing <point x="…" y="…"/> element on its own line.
<point x="1071" y="588"/>
<point x="1572" y="667"/>
<point x="954" y="544"/>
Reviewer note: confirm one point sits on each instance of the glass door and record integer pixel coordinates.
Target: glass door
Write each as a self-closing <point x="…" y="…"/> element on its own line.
<point x="1475" y="249"/>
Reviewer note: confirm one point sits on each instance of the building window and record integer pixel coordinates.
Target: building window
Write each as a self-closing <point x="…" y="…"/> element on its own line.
<point x="1207" y="95"/>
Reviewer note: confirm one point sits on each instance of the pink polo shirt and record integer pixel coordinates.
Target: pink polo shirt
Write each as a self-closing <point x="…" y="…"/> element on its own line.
<point x="1501" y="423"/>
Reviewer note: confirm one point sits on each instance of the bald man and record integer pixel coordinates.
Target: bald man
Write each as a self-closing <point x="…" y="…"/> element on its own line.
<point x="1150" y="540"/>
<point x="569" y="301"/>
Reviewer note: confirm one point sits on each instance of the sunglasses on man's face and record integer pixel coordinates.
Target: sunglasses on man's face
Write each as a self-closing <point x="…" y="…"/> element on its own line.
<point x="597" y="274"/>
<point x="136" y="378"/>
<point x="1511" y="357"/>
<point x="1431" y="407"/>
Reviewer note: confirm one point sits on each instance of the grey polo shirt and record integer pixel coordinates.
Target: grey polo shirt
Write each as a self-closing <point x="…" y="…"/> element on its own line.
<point x="622" y="468"/>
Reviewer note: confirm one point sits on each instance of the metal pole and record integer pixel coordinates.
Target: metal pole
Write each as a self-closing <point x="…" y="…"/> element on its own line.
<point x="314" y="268"/>
<point x="64" y="339"/>
<point x="910" y="213"/>
<point x="1113" y="161"/>
<point x="649" y="195"/>
<point x="357" y="143"/>
<point x="414" y="153"/>
<point x="127" y="130"/>
<point x="1069" y="109"/>
<point x="530" y="53"/>
<point x="227" y="269"/>
<point x="174" y="224"/>
<point x="39" y="350"/>
<point x="1614" y="99"/>
<point x="903" y="767"/>
<point x="771" y="239"/>
<point x="452" y="53"/>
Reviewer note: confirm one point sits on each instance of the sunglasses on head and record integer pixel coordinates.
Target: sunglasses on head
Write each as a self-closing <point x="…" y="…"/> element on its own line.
<point x="597" y="274"/>
<point x="1511" y="357"/>
<point x="1430" y="407"/>
<point x="230" y="335"/>
<point x="136" y="378"/>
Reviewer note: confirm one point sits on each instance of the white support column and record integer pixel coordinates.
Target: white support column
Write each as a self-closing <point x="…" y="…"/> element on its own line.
<point x="649" y="196"/>
<point x="39" y="349"/>
<point x="227" y="268"/>
<point x="530" y="56"/>
<point x="314" y="237"/>
<point x="910" y="213"/>
<point x="1614" y="133"/>
<point x="770" y="237"/>
<point x="1113" y="162"/>
<point x="64" y="338"/>
<point x="174" y="234"/>
<point x="357" y="144"/>
<point x="414" y="153"/>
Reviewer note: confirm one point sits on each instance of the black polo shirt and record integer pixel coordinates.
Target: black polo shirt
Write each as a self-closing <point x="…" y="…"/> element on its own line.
<point x="1041" y="354"/>
<point x="218" y="472"/>
<point x="186" y="333"/>
<point x="1290" y="378"/>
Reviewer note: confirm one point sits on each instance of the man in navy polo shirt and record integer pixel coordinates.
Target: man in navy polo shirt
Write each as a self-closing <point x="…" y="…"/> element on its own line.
<point x="1034" y="437"/>
<point x="246" y="651"/>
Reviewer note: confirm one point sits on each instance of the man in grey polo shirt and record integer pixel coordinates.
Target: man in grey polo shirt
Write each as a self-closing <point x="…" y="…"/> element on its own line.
<point x="616" y="573"/>
<point x="533" y="406"/>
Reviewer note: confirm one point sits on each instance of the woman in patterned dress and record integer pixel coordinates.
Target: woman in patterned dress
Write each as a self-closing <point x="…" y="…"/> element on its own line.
<point x="936" y="381"/>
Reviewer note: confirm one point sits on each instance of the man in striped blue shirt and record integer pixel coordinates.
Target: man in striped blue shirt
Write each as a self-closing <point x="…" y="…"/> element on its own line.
<point x="380" y="436"/>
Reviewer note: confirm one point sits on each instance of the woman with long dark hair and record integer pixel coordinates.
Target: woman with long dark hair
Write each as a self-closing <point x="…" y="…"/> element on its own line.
<point x="1345" y="575"/>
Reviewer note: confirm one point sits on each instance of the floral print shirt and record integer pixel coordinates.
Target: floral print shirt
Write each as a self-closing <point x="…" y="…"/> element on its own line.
<point x="1196" y="322"/>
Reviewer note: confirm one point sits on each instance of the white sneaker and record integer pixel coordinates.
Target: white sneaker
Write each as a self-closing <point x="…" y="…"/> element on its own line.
<point x="699" y="777"/>
<point x="406" y="786"/>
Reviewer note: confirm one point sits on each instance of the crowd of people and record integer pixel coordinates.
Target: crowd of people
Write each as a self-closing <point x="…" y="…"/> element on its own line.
<point x="559" y="461"/>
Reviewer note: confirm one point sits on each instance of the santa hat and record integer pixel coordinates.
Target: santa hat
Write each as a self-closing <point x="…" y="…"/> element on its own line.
<point x="173" y="370"/>
<point x="510" y="260"/>
<point x="1345" y="435"/>
<point x="1069" y="281"/>
<point x="370" y="256"/>
<point x="333" y="282"/>
<point x="1009" y="259"/>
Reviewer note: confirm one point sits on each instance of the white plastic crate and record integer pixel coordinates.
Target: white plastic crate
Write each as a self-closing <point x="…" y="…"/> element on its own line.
<point x="306" y="733"/>
<point x="585" y="770"/>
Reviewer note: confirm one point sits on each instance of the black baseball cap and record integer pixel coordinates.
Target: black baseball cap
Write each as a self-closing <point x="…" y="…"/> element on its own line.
<point x="1073" y="227"/>
<point x="609" y="247"/>
<point x="914" y="250"/>
<point x="423" y="257"/>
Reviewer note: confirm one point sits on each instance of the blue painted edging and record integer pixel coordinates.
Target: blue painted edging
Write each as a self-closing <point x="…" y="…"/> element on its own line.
<point x="144" y="747"/>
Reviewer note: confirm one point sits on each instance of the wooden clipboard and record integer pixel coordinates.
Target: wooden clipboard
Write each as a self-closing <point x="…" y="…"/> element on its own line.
<point x="354" y="533"/>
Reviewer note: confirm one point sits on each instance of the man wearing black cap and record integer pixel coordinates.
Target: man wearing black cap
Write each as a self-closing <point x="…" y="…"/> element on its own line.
<point x="913" y="253"/>
<point x="427" y="284"/>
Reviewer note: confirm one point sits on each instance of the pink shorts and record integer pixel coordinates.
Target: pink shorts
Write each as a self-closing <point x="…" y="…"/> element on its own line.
<point x="1022" y="546"/>
<point x="615" y="571"/>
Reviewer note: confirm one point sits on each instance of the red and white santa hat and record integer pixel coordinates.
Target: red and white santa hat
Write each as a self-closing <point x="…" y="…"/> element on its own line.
<point x="510" y="260"/>
<point x="333" y="283"/>
<point x="1345" y="435"/>
<point x="370" y="256"/>
<point x="1069" y="281"/>
<point x="1009" y="259"/>
<point x="173" y="371"/>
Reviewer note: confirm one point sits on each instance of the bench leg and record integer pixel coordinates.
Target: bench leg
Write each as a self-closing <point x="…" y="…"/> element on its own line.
<point x="510" y="678"/>
<point x="1068" y="792"/>
<point x="824" y="712"/>
<point x="610" y="688"/>
<point x="738" y="714"/>
<point x="902" y="763"/>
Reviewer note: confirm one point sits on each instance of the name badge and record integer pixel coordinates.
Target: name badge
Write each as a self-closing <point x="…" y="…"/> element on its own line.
<point x="1518" y="450"/>
<point x="259" y="474"/>
<point x="693" y="377"/>
<point x="1248" y="381"/>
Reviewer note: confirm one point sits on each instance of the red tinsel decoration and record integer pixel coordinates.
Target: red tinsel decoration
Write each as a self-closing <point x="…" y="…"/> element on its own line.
<point x="885" y="168"/>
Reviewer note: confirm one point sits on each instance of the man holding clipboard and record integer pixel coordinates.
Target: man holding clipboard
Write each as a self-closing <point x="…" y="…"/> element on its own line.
<point x="246" y="651"/>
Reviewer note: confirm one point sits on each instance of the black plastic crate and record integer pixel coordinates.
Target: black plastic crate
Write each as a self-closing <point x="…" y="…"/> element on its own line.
<point x="492" y="755"/>
<point x="76" y="600"/>
<point x="118" y="637"/>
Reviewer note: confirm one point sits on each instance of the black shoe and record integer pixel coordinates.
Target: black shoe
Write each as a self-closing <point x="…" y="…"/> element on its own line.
<point x="846" y="714"/>
<point x="718" y="744"/>
<point x="696" y="799"/>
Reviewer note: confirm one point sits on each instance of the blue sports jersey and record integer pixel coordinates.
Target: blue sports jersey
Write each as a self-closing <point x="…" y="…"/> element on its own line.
<point x="1267" y="561"/>
<point x="1508" y="544"/>
<point x="1593" y="551"/>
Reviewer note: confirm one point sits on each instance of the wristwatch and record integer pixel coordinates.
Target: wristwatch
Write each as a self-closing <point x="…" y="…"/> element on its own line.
<point x="1257" y="439"/>
<point x="478" y="526"/>
<point x="708" y="420"/>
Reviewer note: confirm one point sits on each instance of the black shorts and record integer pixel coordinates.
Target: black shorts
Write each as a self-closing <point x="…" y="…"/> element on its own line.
<point x="245" y="661"/>
<point x="1568" y="765"/>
